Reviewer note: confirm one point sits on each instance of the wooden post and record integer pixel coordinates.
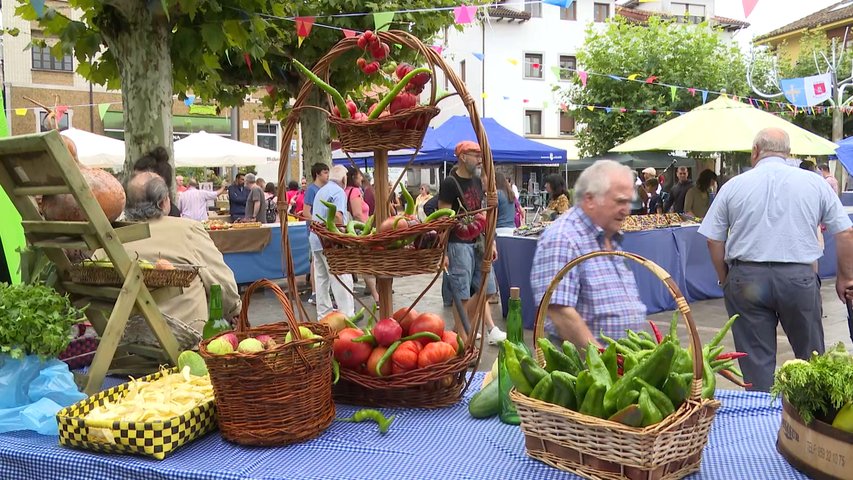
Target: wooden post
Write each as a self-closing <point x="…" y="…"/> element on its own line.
<point x="382" y="212"/>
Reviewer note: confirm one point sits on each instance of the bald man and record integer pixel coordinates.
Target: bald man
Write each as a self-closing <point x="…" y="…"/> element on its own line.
<point x="762" y="235"/>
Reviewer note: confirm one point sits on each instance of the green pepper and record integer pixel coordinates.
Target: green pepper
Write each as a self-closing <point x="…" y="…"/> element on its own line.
<point x="582" y="385"/>
<point x="555" y="360"/>
<point x="661" y="401"/>
<point x="653" y="369"/>
<point x="336" y="371"/>
<point x="677" y="387"/>
<point x="571" y="351"/>
<point x="641" y="342"/>
<point x="370" y="414"/>
<point x="722" y="333"/>
<point x="629" y="361"/>
<point x="441" y="212"/>
<point x="611" y="362"/>
<point x="681" y="362"/>
<point x="619" y="347"/>
<point x="354" y="227"/>
<point x="544" y="390"/>
<point x="630" y="397"/>
<point x="709" y="380"/>
<point x="532" y="372"/>
<point x="386" y="356"/>
<point x="593" y="401"/>
<point x="564" y="389"/>
<point x="627" y="342"/>
<point x="513" y="367"/>
<point x="410" y="202"/>
<point x="386" y="100"/>
<point x="651" y="414"/>
<point x="330" y="216"/>
<point x="596" y="366"/>
<point x="368" y="226"/>
<point x="336" y="95"/>
<point x="647" y="336"/>
<point x="631" y="415"/>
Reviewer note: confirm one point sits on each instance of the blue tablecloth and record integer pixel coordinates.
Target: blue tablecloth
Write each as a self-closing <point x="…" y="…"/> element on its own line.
<point x="700" y="278"/>
<point x="268" y="263"/>
<point x="445" y="443"/>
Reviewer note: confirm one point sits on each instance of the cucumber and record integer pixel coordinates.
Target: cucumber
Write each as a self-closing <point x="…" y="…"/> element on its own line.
<point x="486" y="402"/>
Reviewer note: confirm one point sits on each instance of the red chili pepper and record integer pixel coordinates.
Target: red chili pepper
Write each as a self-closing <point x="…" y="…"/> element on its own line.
<point x="730" y="356"/>
<point x="732" y="378"/>
<point x="620" y="362"/>
<point x="656" y="331"/>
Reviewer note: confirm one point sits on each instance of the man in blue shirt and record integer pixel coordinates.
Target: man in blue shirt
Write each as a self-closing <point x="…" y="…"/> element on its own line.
<point x="320" y="176"/>
<point x="762" y="235"/>
<point x="237" y="196"/>
<point x="332" y="192"/>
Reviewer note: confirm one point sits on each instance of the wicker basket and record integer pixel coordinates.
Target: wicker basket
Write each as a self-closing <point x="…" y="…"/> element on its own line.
<point x="369" y="256"/>
<point x="439" y="385"/>
<point x="404" y="129"/>
<point x="278" y="396"/>
<point x="181" y="276"/>
<point x="605" y="450"/>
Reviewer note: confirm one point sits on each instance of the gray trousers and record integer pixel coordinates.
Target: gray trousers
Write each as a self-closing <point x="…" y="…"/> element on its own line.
<point x="764" y="295"/>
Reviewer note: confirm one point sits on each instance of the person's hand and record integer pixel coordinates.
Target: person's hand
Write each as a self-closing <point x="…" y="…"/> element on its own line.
<point x="445" y="263"/>
<point x="494" y="253"/>
<point x="844" y="288"/>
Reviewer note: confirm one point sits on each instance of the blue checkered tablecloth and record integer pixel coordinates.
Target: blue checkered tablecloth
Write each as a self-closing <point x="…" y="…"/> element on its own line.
<point x="444" y="444"/>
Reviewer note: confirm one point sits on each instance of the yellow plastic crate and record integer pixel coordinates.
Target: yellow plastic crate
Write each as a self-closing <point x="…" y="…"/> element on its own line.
<point x="153" y="439"/>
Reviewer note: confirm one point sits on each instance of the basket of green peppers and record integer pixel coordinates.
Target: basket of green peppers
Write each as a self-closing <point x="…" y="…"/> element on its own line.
<point x="639" y="408"/>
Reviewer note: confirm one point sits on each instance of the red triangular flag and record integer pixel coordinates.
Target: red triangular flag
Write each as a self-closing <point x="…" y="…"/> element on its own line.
<point x="248" y="60"/>
<point x="348" y="33"/>
<point x="692" y="91"/>
<point x="651" y="79"/>
<point x="303" y="26"/>
<point x="60" y="112"/>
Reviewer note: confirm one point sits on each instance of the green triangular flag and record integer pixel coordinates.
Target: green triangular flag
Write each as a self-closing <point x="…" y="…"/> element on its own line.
<point x="672" y="90"/>
<point x="556" y="71"/>
<point x="382" y="20"/>
<point x="102" y="109"/>
<point x="11" y="230"/>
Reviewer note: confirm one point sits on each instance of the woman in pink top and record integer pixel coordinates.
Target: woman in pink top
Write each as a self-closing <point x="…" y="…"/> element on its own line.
<point x="290" y="195"/>
<point x="359" y="211"/>
<point x="299" y="200"/>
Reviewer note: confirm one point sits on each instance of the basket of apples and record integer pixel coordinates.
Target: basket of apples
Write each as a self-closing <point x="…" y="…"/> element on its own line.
<point x="396" y="121"/>
<point x="408" y="360"/>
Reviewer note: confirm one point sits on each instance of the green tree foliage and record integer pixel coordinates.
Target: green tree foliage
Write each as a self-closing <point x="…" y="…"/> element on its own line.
<point x="685" y="55"/>
<point x="219" y="50"/>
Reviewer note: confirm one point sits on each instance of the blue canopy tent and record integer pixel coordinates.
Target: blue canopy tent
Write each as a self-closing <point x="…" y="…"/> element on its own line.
<point x="844" y="153"/>
<point x="507" y="146"/>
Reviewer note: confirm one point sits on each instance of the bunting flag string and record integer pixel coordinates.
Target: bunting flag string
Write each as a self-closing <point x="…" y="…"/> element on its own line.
<point x="464" y="14"/>
<point x="303" y="28"/>
<point x="382" y="21"/>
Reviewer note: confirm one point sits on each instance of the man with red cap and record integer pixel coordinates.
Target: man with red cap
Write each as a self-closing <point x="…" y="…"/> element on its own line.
<point x="462" y="191"/>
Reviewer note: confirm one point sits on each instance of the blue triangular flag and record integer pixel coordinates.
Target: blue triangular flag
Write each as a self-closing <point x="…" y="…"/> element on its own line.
<point x="478" y="56"/>
<point x="614" y="77"/>
<point x="607" y="109"/>
<point x="559" y="3"/>
<point x="506" y="98"/>
<point x="189" y="100"/>
<point x="704" y="96"/>
<point x="38" y="6"/>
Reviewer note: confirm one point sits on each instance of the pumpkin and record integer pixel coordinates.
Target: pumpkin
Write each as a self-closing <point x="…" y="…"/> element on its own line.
<point x="106" y="189"/>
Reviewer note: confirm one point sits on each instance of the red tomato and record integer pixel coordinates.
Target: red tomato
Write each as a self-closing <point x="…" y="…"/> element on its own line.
<point x="427" y="322"/>
<point x="405" y="357"/>
<point x="405" y="317"/>
<point x="435" y="352"/>
<point x="373" y="360"/>
<point x="348" y="353"/>
<point x="450" y="337"/>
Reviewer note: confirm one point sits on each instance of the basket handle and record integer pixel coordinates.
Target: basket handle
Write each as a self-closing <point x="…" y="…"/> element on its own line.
<point x="243" y="318"/>
<point x="658" y="271"/>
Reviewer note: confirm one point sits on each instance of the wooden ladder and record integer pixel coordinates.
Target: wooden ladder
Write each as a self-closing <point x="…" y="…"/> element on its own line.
<point x="39" y="164"/>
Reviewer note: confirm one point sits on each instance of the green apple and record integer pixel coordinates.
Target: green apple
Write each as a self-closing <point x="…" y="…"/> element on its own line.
<point x="304" y="332"/>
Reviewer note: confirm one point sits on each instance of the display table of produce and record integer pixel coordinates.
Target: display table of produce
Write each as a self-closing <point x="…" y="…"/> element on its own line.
<point x="266" y="263"/>
<point x="441" y="443"/>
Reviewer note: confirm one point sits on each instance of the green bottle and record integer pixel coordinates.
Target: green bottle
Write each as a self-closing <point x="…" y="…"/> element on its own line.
<point x="514" y="324"/>
<point x="514" y="335"/>
<point x="216" y="322"/>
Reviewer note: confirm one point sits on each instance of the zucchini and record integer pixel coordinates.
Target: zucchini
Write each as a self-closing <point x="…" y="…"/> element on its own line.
<point x="486" y="403"/>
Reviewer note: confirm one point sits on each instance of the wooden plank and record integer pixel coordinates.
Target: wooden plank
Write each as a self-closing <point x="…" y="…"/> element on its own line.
<point x="113" y="332"/>
<point x="132" y="232"/>
<point x="42" y="190"/>
<point x="383" y="284"/>
<point x="57" y="227"/>
<point x="71" y="244"/>
<point x="94" y="291"/>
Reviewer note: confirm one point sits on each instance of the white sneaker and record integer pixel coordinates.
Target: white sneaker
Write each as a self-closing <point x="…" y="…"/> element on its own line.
<point x="496" y="335"/>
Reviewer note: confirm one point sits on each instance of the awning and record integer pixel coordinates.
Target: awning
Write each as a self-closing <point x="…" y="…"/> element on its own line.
<point x="182" y="125"/>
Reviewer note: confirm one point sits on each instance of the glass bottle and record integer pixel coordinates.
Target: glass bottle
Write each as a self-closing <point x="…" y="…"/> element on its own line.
<point x="514" y="324"/>
<point x="216" y="321"/>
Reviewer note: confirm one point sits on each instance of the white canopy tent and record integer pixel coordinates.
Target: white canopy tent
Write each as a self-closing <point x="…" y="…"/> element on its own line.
<point x="95" y="150"/>
<point x="203" y="149"/>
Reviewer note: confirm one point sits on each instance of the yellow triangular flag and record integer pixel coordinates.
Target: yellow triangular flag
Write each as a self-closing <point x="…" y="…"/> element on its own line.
<point x="20" y="112"/>
<point x="299" y="41"/>
<point x="484" y="95"/>
<point x="633" y="76"/>
<point x="590" y="108"/>
<point x="512" y="61"/>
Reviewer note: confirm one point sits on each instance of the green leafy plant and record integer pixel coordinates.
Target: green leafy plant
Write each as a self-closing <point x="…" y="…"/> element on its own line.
<point x="817" y="387"/>
<point x="35" y="320"/>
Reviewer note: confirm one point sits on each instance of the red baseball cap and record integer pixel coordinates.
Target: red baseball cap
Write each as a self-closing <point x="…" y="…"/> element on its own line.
<point x="467" y="146"/>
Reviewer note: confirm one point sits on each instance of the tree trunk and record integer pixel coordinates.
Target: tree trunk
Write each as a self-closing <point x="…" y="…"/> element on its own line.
<point x="139" y="38"/>
<point x="316" y="139"/>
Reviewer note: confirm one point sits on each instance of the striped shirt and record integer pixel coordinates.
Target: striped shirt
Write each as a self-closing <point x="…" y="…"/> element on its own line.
<point x="193" y="203"/>
<point x="602" y="289"/>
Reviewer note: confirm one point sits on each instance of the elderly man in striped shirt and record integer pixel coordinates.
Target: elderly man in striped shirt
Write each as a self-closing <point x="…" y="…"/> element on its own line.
<point x="600" y="294"/>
